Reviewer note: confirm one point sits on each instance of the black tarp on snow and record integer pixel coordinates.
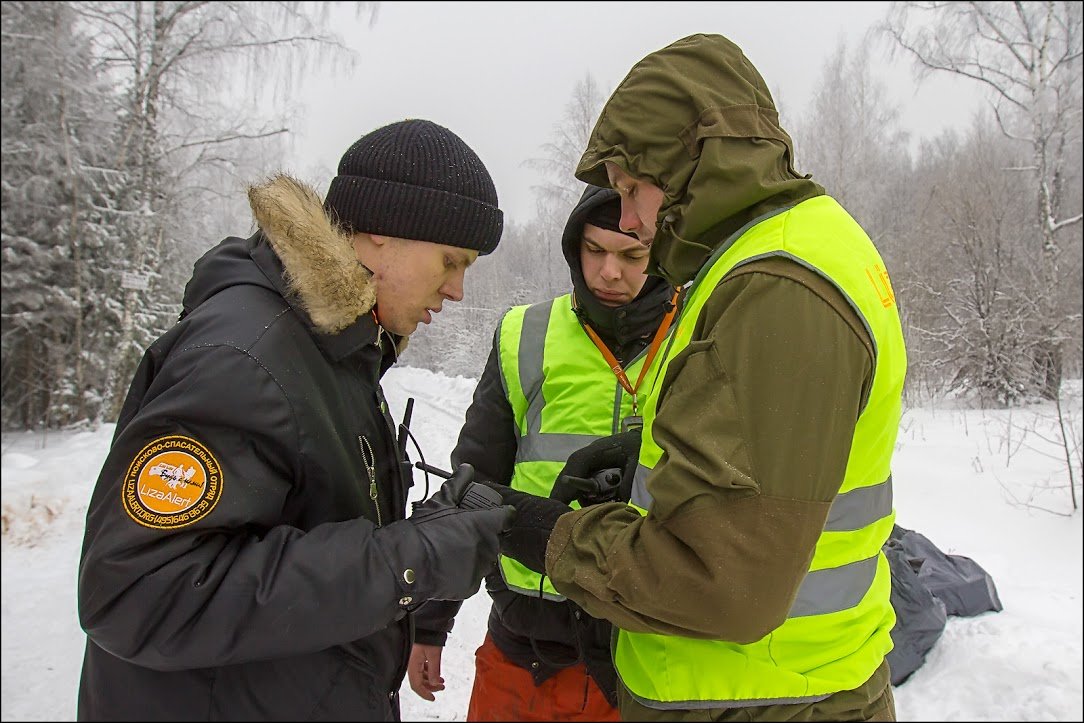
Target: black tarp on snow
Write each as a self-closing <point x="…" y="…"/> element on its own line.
<point x="927" y="587"/>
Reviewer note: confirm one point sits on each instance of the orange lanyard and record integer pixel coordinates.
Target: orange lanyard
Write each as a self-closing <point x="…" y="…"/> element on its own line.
<point x="656" y="343"/>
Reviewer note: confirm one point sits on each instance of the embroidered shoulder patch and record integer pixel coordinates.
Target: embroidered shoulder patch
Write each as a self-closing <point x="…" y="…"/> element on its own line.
<point x="172" y="482"/>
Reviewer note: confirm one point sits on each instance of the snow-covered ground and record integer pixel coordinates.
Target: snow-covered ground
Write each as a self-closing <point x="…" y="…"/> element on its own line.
<point x="990" y="485"/>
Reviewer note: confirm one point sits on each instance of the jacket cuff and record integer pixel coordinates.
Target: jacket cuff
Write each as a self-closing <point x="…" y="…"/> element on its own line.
<point x="430" y="637"/>
<point x="559" y="539"/>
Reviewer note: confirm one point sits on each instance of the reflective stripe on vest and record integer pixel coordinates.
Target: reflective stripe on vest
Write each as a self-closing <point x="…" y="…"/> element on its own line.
<point x="563" y="396"/>
<point x="837" y="631"/>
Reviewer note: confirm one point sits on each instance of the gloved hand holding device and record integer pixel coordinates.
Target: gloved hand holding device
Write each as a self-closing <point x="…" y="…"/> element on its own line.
<point x="444" y="549"/>
<point x="603" y="471"/>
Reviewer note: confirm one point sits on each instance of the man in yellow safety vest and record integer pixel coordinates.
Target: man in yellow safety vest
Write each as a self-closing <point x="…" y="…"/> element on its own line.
<point x="745" y="577"/>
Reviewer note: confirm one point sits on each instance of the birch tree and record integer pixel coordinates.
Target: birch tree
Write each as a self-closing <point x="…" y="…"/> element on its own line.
<point x="973" y="268"/>
<point x="128" y="131"/>
<point x="1027" y="55"/>
<point x="528" y="265"/>
<point x="184" y="68"/>
<point x="559" y="190"/>
<point x="851" y="140"/>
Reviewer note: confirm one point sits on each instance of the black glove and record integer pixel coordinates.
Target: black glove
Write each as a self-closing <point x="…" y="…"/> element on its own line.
<point x="529" y="533"/>
<point x="589" y="474"/>
<point x="447" y="546"/>
<point x="449" y="494"/>
<point x="603" y="486"/>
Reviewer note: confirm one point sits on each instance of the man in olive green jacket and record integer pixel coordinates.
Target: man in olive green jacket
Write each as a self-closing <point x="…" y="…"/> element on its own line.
<point x="745" y="576"/>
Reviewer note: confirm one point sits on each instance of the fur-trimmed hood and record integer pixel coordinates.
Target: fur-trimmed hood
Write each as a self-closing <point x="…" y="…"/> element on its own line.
<point x="318" y="259"/>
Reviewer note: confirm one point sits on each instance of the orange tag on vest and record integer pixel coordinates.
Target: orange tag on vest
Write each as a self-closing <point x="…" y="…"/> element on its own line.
<point x="173" y="481"/>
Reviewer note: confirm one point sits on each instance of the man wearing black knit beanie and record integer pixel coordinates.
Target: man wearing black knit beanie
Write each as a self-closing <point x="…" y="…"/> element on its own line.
<point x="414" y="181"/>
<point x="247" y="553"/>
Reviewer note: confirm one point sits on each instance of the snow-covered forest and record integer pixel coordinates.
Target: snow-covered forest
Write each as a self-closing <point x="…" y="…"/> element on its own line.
<point x="126" y="147"/>
<point x="129" y="133"/>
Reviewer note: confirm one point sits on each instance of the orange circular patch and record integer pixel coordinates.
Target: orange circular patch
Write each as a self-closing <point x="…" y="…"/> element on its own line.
<point x="172" y="482"/>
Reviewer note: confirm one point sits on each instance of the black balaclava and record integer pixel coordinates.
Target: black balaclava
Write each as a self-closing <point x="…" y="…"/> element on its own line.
<point x="617" y="325"/>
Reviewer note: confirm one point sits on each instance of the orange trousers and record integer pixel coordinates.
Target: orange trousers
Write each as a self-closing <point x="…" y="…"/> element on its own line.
<point x="503" y="691"/>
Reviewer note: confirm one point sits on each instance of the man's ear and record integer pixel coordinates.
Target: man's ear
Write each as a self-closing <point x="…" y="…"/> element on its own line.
<point x="367" y="248"/>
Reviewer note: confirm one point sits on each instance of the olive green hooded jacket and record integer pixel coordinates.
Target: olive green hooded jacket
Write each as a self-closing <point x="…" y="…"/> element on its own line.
<point x="749" y="472"/>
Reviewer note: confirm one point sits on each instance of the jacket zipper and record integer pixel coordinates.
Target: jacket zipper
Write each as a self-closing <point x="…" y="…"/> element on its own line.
<point x="369" y="460"/>
<point x="390" y="424"/>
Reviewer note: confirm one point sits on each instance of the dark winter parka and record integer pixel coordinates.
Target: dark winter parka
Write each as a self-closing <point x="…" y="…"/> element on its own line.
<point x="544" y="636"/>
<point x="235" y="563"/>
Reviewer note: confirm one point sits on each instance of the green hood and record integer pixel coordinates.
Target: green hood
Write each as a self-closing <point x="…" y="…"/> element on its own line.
<point x="697" y="120"/>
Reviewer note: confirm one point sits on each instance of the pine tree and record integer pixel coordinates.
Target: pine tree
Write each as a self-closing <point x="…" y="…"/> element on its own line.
<point x="56" y="217"/>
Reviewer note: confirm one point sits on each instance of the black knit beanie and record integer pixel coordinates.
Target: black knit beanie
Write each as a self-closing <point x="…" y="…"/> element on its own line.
<point x="416" y="180"/>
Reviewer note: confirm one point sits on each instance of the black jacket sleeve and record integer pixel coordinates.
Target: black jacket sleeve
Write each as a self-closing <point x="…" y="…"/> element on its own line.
<point x="235" y="585"/>
<point x="488" y="442"/>
<point x="488" y="437"/>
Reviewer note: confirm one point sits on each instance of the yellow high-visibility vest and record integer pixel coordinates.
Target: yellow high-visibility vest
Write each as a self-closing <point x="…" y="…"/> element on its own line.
<point x="837" y="632"/>
<point x="563" y="395"/>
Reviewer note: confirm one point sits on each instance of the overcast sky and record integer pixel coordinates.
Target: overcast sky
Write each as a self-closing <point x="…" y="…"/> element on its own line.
<point x="500" y="73"/>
